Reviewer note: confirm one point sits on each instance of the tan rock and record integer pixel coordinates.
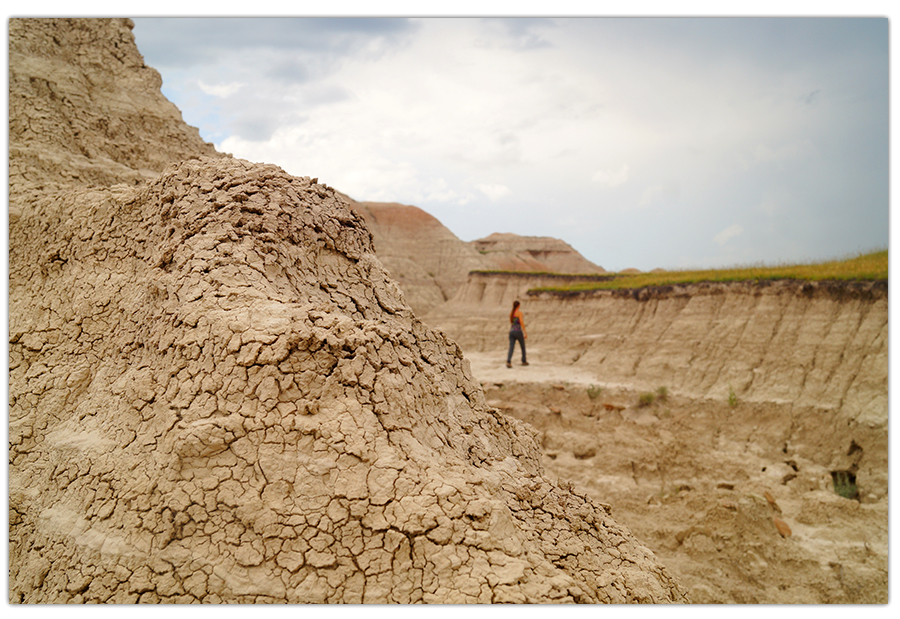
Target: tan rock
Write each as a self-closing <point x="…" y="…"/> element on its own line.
<point x="431" y="264"/>
<point x="541" y="254"/>
<point x="782" y="526"/>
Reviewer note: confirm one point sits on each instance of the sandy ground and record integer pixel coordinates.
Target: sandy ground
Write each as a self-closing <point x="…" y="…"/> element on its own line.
<point x="490" y="367"/>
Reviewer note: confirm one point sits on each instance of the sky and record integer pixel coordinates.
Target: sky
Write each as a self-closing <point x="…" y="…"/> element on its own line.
<point x="679" y="142"/>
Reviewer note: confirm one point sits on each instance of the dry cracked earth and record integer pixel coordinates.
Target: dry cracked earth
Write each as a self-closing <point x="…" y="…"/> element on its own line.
<point x="217" y="393"/>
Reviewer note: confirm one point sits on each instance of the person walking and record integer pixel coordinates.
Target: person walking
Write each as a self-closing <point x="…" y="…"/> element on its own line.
<point x="517" y="333"/>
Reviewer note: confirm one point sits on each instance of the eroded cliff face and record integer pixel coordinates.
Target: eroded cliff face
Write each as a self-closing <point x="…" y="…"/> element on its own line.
<point x="812" y="346"/>
<point x="217" y="394"/>
<point x="427" y="260"/>
<point x="812" y="343"/>
<point x="512" y="252"/>
<point x="84" y="109"/>
<point x="432" y="264"/>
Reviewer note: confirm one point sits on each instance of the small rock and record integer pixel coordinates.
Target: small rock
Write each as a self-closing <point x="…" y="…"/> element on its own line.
<point x="782" y="526"/>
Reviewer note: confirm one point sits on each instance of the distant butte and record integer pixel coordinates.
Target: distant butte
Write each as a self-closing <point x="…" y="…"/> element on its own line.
<point x="431" y="263"/>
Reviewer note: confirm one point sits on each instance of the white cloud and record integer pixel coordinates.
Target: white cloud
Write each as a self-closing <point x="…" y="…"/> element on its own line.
<point x="728" y="233"/>
<point x="458" y="116"/>
<point x="219" y="90"/>
<point x="667" y="193"/>
<point x="494" y="192"/>
<point x="651" y="195"/>
<point x="439" y="190"/>
<point x="611" y="177"/>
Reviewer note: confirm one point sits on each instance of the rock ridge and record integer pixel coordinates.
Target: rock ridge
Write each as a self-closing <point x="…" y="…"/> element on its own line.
<point x="431" y="263"/>
<point x="818" y="343"/>
<point x="84" y="109"/>
<point x="513" y="252"/>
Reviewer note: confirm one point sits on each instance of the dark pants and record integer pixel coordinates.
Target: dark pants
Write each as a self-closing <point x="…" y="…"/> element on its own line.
<point x="516" y="336"/>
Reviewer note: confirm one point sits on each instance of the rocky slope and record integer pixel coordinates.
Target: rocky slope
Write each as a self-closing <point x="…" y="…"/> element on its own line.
<point x="84" y="109"/>
<point x="808" y="343"/>
<point x="511" y="252"/>
<point x="739" y="501"/>
<point x="217" y="394"/>
<point x="428" y="261"/>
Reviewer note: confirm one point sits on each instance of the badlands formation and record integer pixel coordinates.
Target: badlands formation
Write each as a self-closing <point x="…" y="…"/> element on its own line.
<point x="431" y="264"/>
<point x="767" y="398"/>
<point x="218" y="394"/>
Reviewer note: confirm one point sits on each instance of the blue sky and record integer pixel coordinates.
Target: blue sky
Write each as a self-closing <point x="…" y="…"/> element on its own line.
<point x="643" y="142"/>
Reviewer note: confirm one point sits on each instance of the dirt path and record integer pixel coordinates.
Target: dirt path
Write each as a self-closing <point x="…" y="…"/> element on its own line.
<point x="490" y="367"/>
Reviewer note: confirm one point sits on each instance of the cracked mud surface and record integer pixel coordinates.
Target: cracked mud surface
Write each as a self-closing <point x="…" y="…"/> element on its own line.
<point x="217" y="395"/>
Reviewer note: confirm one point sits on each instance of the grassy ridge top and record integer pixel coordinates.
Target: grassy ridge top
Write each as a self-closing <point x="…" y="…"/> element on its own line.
<point x="872" y="266"/>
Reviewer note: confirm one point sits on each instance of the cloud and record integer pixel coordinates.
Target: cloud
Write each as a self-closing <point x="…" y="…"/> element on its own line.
<point x="521" y="33"/>
<point x="190" y="41"/>
<point x="783" y="122"/>
<point x="493" y="192"/>
<point x="728" y="233"/>
<point x="650" y="195"/>
<point x="667" y="193"/>
<point x="220" y="90"/>
<point x="611" y="177"/>
<point x="812" y="97"/>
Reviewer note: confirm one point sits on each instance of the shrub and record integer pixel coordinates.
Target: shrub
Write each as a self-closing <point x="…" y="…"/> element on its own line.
<point x="732" y="397"/>
<point x="594" y="392"/>
<point x="646" y="399"/>
<point x="662" y="394"/>
<point x="845" y="484"/>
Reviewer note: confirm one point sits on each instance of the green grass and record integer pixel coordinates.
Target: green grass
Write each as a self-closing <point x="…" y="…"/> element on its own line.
<point x="871" y="266"/>
<point x="646" y="399"/>
<point x="845" y="484"/>
<point x="552" y="275"/>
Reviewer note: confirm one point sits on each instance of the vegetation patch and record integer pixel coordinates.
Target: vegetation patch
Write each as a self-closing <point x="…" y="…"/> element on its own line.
<point x="732" y="397"/>
<point x="580" y="277"/>
<point x="864" y="267"/>
<point x="845" y="484"/>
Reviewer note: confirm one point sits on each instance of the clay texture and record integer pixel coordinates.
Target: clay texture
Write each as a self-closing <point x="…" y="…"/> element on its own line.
<point x="217" y="394"/>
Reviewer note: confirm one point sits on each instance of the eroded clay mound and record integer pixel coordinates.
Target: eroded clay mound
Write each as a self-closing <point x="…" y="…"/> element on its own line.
<point x="84" y="109"/>
<point x="511" y="252"/>
<point x="426" y="259"/>
<point x="432" y="265"/>
<point x="217" y="395"/>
